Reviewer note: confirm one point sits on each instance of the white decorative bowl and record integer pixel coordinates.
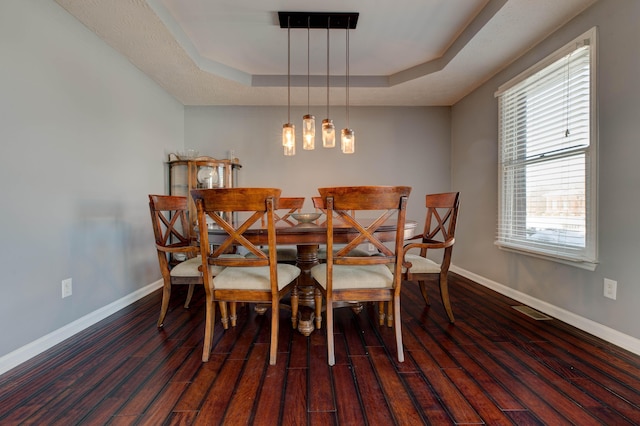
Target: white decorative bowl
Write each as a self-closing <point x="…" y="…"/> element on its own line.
<point x="306" y="217"/>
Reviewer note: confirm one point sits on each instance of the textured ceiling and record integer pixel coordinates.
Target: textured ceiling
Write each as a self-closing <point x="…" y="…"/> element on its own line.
<point x="405" y="52"/>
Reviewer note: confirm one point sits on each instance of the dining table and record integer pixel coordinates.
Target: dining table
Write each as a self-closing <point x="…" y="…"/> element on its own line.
<point x="308" y="237"/>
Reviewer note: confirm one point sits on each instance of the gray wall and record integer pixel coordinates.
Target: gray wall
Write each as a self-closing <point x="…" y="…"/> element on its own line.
<point x="394" y="146"/>
<point x="84" y="136"/>
<point x="474" y="165"/>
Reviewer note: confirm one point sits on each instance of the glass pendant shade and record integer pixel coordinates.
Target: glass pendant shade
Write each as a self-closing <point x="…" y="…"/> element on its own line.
<point x="328" y="133"/>
<point x="289" y="139"/>
<point x="348" y="141"/>
<point x="308" y="132"/>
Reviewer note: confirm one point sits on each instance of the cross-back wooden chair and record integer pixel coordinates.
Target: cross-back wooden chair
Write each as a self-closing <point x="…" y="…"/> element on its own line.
<point x="347" y="278"/>
<point x="439" y="234"/>
<point x="259" y="279"/>
<point x="174" y="243"/>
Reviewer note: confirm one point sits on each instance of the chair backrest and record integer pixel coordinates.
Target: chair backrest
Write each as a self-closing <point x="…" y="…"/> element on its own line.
<point x="170" y="224"/>
<point x="290" y="205"/>
<point x="254" y="203"/>
<point x="442" y="215"/>
<point x="388" y="203"/>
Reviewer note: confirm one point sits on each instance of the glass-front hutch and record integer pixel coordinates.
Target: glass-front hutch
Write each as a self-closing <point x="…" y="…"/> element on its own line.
<point x="186" y="174"/>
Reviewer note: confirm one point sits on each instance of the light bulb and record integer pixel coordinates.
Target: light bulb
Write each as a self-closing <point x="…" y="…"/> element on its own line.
<point x="308" y="132"/>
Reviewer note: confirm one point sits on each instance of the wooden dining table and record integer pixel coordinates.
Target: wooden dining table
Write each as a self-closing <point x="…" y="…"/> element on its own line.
<point x="308" y="237"/>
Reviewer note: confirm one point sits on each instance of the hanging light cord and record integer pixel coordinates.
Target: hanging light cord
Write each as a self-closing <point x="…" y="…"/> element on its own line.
<point x="328" y="26"/>
<point x="348" y="25"/>
<point x="308" y="64"/>
<point x="289" y="69"/>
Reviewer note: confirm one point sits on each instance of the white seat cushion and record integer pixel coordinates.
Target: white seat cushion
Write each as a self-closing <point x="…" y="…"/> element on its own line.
<point x="254" y="277"/>
<point x="422" y="265"/>
<point x="354" y="276"/>
<point x="188" y="268"/>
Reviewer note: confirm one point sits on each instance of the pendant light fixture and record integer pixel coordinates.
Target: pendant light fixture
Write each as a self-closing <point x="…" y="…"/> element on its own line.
<point x="308" y="121"/>
<point x="328" y="129"/>
<point x="348" y="137"/>
<point x="289" y="129"/>
<point x="316" y="20"/>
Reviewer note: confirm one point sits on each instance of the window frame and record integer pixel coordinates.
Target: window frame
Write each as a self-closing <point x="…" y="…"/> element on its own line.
<point x="587" y="258"/>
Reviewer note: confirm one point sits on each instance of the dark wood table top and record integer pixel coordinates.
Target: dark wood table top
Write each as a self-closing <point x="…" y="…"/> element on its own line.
<point x="311" y="234"/>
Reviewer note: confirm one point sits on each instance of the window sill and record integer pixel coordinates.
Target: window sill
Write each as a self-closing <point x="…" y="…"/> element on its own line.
<point x="582" y="264"/>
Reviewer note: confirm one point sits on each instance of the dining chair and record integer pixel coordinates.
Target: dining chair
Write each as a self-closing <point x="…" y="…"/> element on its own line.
<point x="347" y="278"/>
<point x="177" y="249"/>
<point x="439" y="234"/>
<point x="258" y="279"/>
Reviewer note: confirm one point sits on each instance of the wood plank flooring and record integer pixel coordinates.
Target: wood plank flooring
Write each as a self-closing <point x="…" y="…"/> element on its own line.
<point x="494" y="366"/>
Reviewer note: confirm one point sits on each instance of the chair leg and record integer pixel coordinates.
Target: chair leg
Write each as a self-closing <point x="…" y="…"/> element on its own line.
<point x="317" y="297"/>
<point x="444" y="294"/>
<point x="232" y="313"/>
<point x="166" y="295"/>
<point x="189" y="296"/>
<point x="295" y="298"/>
<point x="209" y="326"/>
<point x="224" y="316"/>
<point x="423" y="290"/>
<point x="398" y="328"/>
<point x="381" y="314"/>
<point x="330" y="349"/>
<point x="390" y="310"/>
<point x="275" y="321"/>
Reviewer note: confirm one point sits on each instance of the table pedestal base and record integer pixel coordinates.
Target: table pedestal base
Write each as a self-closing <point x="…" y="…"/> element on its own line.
<point x="307" y="259"/>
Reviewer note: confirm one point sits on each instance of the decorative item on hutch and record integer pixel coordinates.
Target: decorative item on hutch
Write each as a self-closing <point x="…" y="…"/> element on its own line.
<point x="189" y="171"/>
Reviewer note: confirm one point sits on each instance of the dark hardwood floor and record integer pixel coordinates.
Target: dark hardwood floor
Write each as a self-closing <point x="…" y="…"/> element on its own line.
<point x="494" y="366"/>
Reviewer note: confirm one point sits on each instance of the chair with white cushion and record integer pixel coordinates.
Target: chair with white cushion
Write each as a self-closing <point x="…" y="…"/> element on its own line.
<point x="348" y="278"/>
<point x="439" y="234"/>
<point x="258" y="279"/>
<point x="177" y="250"/>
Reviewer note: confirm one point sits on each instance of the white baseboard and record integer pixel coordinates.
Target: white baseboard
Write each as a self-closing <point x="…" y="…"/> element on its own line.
<point x="28" y="351"/>
<point x="610" y="335"/>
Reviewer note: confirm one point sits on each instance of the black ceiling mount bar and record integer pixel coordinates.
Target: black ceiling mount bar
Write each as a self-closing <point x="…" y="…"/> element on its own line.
<point x="316" y="20"/>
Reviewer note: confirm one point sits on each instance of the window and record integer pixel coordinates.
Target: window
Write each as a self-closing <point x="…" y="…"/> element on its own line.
<point x="547" y="157"/>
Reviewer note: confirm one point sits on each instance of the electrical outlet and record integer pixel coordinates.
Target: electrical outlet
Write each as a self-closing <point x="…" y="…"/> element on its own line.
<point x="371" y="248"/>
<point x="610" y="288"/>
<point x="67" y="288"/>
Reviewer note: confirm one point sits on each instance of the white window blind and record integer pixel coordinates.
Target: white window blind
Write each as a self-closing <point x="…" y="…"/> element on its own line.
<point x="547" y="157"/>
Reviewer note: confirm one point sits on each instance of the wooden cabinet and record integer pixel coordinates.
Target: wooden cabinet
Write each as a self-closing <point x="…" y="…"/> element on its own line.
<point x="200" y="172"/>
